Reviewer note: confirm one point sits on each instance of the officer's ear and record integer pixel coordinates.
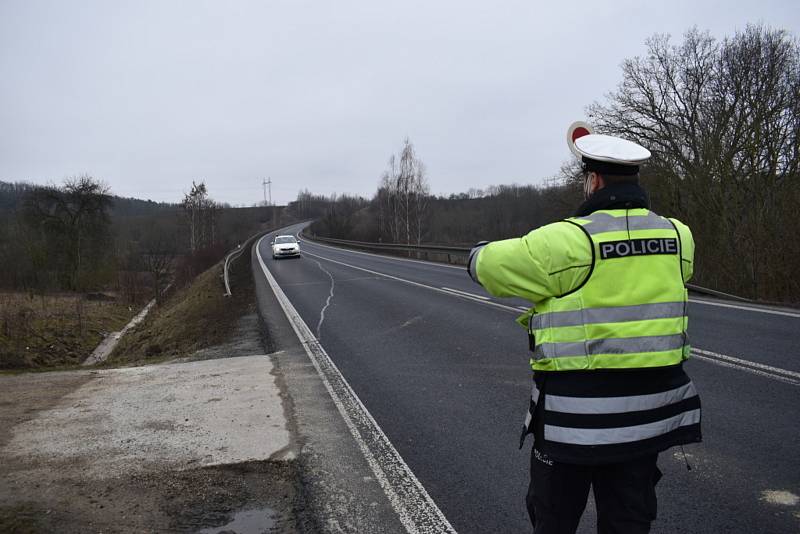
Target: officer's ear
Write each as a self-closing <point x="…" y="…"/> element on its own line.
<point x="597" y="182"/>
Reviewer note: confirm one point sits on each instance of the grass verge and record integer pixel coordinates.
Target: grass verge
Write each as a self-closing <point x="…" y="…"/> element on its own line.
<point x="61" y="330"/>
<point x="192" y="318"/>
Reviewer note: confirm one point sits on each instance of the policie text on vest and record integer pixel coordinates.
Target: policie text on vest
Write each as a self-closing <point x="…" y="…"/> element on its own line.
<point x="638" y="247"/>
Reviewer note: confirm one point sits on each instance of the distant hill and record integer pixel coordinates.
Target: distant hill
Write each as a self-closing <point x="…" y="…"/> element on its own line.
<point x="128" y="206"/>
<point x="11" y="195"/>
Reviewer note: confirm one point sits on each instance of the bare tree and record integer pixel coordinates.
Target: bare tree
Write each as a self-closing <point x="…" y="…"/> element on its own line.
<point x="73" y="226"/>
<point x="158" y="256"/>
<point x="721" y="119"/>
<point x="201" y="216"/>
<point x="421" y="197"/>
<point x="403" y="196"/>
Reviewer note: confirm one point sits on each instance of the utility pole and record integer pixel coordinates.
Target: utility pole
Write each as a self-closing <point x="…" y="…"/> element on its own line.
<point x="267" y="183"/>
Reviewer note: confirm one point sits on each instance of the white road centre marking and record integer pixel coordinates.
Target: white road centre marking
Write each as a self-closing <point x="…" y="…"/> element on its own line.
<point x="780" y="497"/>
<point x="775" y="373"/>
<point x="472" y="295"/>
<point x="415" y="508"/>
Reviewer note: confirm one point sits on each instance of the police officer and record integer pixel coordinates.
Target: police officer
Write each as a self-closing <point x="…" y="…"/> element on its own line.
<point x="608" y="335"/>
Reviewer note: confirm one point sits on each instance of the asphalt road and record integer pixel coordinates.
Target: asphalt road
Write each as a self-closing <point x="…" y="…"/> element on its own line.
<point x="443" y="369"/>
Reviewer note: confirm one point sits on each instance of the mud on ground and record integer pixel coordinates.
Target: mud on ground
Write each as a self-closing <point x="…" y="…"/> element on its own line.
<point x="206" y="498"/>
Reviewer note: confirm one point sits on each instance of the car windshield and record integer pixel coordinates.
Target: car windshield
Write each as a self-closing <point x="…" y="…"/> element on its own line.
<point x="285" y="239"/>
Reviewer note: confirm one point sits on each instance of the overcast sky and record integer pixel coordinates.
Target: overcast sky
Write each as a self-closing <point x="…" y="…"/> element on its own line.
<point x="149" y="96"/>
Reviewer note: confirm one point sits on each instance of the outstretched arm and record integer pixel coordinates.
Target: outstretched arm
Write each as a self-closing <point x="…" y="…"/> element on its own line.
<point x="547" y="262"/>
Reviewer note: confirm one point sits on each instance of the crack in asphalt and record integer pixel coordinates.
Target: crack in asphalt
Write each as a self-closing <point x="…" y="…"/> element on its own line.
<point x="327" y="302"/>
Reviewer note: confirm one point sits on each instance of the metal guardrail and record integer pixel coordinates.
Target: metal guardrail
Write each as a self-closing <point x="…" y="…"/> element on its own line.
<point x="460" y="252"/>
<point x="463" y="253"/>
<point x="718" y="294"/>
<point x="226" y="269"/>
<point x="235" y="254"/>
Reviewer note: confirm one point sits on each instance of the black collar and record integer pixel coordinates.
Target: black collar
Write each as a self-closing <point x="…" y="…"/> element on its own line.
<point x="615" y="196"/>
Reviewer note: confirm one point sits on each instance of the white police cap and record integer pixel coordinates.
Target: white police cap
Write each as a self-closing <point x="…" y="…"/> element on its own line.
<point x="610" y="149"/>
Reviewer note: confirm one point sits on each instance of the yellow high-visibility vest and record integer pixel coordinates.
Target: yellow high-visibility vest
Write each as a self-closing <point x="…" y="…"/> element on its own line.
<point x="608" y="289"/>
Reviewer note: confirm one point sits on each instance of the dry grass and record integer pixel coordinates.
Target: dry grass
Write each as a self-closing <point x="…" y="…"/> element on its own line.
<point x="192" y="318"/>
<point x="54" y="330"/>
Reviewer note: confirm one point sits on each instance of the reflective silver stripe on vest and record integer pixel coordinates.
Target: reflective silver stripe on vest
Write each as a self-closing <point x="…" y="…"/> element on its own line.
<point x="603" y="222"/>
<point x="627" y="434"/>
<point x="618" y="314"/>
<point x="534" y="401"/>
<point x="607" y="405"/>
<point x="624" y="345"/>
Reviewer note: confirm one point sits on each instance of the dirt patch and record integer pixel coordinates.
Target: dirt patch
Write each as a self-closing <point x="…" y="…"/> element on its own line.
<point x="178" y="501"/>
<point x="25" y="395"/>
<point x="55" y="330"/>
<point x="193" y="318"/>
<point x="244" y="341"/>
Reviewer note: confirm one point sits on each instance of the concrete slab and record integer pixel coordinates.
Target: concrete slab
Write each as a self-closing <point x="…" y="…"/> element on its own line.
<point x="175" y="416"/>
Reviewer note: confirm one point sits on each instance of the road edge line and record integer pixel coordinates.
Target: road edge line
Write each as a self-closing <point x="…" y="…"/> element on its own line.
<point x="415" y="508"/>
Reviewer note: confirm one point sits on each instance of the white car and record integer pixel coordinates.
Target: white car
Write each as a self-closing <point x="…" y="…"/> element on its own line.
<point x="284" y="246"/>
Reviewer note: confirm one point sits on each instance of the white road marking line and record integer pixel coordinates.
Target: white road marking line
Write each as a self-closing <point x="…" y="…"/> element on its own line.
<point x="775" y="373"/>
<point x="466" y="293"/>
<point x="523" y="308"/>
<point x="755" y="365"/>
<point x="780" y="497"/>
<point x="414" y="507"/>
<point x="433" y="288"/>
<point x="746" y="308"/>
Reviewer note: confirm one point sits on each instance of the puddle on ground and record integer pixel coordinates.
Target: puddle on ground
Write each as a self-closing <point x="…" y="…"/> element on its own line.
<point x="245" y="522"/>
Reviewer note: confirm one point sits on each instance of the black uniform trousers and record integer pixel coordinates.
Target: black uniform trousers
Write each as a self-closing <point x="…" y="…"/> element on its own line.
<point x="624" y="495"/>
